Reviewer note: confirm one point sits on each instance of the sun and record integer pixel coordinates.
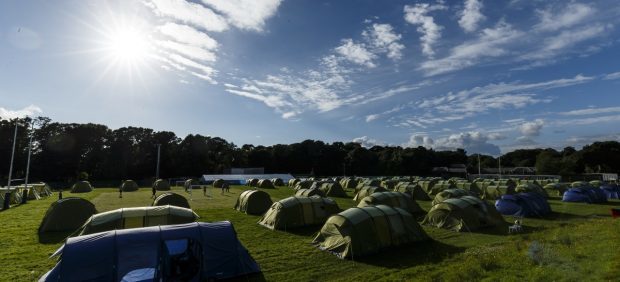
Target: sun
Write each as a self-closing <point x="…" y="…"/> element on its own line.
<point x="127" y="46"/>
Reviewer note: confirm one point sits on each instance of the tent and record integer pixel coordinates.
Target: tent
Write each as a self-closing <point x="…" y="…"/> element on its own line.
<point x="449" y="194"/>
<point x="393" y="199"/>
<point x="348" y="183"/>
<point x="362" y="231"/>
<point x="469" y="186"/>
<point x="494" y="192"/>
<point x="531" y="188"/>
<point x="441" y="186"/>
<point x="252" y="182"/>
<point x="81" y="187"/>
<point x="161" y="185"/>
<point x="578" y="184"/>
<point x="612" y="191"/>
<point x="366" y="191"/>
<point x="218" y="183"/>
<point x="265" y="183"/>
<point x="42" y="188"/>
<point x="366" y="183"/>
<point x="67" y="214"/>
<point x="298" y="212"/>
<point x="467" y="213"/>
<point x="389" y="184"/>
<point x="129" y="186"/>
<point x="172" y="199"/>
<point x="189" y="183"/>
<point x="596" y="183"/>
<point x="333" y="190"/>
<point x="184" y="252"/>
<point x="529" y="204"/>
<point x="585" y="194"/>
<point x="303" y="184"/>
<point x="253" y="202"/>
<point x="126" y="218"/>
<point x="414" y="190"/>
<point x="309" y="193"/>
<point x="293" y="182"/>
<point x="555" y="189"/>
<point x="427" y="185"/>
<point x="15" y="196"/>
<point x="277" y="181"/>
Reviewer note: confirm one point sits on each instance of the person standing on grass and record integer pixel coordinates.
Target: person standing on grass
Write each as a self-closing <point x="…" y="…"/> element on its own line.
<point x="224" y="187"/>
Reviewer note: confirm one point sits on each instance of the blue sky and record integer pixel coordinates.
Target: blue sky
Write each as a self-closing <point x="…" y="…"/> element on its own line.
<point x="486" y="76"/>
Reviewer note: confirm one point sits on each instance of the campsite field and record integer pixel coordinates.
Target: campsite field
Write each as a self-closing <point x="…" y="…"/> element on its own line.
<point x="578" y="242"/>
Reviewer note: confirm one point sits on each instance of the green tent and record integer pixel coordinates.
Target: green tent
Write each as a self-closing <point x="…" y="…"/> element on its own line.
<point x="277" y="182"/>
<point x="189" y="183"/>
<point x="413" y="190"/>
<point x="14" y="194"/>
<point x="265" y="183"/>
<point x="361" y="231"/>
<point x="129" y="186"/>
<point x="218" y="183"/>
<point x="295" y="212"/>
<point x="253" y="202"/>
<point x="309" y="193"/>
<point x="81" y="187"/>
<point x="292" y="182"/>
<point x="366" y="191"/>
<point x="556" y="189"/>
<point x="596" y="183"/>
<point x="449" y="194"/>
<point x="137" y="217"/>
<point x="494" y="192"/>
<point x="427" y="185"/>
<point x="389" y="184"/>
<point x="531" y="187"/>
<point x="252" y="182"/>
<point x="348" y="183"/>
<point x="333" y="190"/>
<point x="303" y="184"/>
<point x="367" y="182"/>
<point x="511" y="184"/>
<point x="441" y="186"/>
<point x="67" y="214"/>
<point x="469" y="186"/>
<point x="43" y="189"/>
<point x="161" y="185"/>
<point x="393" y="199"/>
<point x="172" y="199"/>
<point x="467" y="213"/>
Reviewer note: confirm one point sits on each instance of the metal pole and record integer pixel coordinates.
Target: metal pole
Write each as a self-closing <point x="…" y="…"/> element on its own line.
<point x="6" y="204"/>
<point x="478" y="165"/>
<point x="499" y="161"/>
<point x="25" y="199"/>
<point x="158" y="154"/>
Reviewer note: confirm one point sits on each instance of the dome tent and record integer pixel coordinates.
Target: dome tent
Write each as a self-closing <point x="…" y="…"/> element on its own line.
<point x="309" y="193"/>
<point x="188" y="252"/>
<point x="137" y="217"/>
<point x="81" y="187"/>
<point x="555" y="189"/>
<point x="218" y="183"/>
<point x="531" y="188"/>
<point x="348" y="183"/>
<point x="265" y="183"/>
<point x="469" y="186"/>
<point x="393" y="199"/>
<point x="161" y="185"/>
<point x="413" y="190"/>
<point x="252" y="182"/>
<point x="612" y="191"/>
<point x="292" y="182"/>
<point x="441" y="186"/>
<point x="129" y="186"/>
<point x="189" y="183"/>
<point x="494" y="192"/>
<point x="362" y="231"/>
<point x="449" y="194"/>
<point x="253" y="202"/>
<point x="172" y="199"/>
<point x="596" y="183"/>
<point x="295" y="212"/>
<point x="303" y="184"/>
<point x="366" y="191"/>
<point x="523" y="204"/>
<point x="366" y="183"/>
<point x="67" y="214"/>
<point x="333" y="190"/>
<point x="467" y="213"/>
<point x="585" y="194"/>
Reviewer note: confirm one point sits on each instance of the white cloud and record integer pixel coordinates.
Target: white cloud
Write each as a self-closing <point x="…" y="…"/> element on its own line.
<point x="190" y="51"/>
<point x="417" y="140"/>
<point x="552" y="46"/>
<point x="491" y="42"/>
<point x="356" y="53"/>
<point x="383" y="38"/>
<point x="532" y="128"/>
<point x="611" y="76"/>
<point x="572" y="14"/>
<point x="471" y="15"/>
<point x="27" y="111"/>
<point x="587" y="121"/>
<point x="188" y="35"/>
<point x="472" y="142"/>
<point x="592" y="111"/>
<point x="367" y="142"/>
<point x="246" y="14"/>
<point x="496" y="136"/>
<point x="370" y="118"/>
<point x="191" y="13"/>
<point x="579" y="141"/>
<point x="431" y="32"/>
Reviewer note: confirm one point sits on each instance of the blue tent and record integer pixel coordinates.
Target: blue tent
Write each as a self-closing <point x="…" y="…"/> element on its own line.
<point x="523" y="204"/>
<point x="195" y="251"/>
<point x="612" y="191"/>
<point x="585" y="194"/>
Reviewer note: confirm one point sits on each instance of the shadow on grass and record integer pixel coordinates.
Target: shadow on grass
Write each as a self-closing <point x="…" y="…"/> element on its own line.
<point x="410" y="255"/>
<point x="250" y="277"/>
<point x="306" y="231"/>
<point x="53" y="237"/>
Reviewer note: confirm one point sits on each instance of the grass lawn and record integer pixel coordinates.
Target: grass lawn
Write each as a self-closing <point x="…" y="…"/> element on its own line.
<point x="579" y="242"/>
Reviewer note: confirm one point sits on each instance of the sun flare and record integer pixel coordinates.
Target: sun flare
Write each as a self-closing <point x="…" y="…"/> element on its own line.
<point x="128" y="45"/>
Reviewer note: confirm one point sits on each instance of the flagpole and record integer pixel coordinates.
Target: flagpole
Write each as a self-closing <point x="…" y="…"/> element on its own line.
<point x="7" y="196"/>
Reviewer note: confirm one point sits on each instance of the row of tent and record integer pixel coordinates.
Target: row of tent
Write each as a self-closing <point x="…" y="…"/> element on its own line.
<point x="34" y="191"/>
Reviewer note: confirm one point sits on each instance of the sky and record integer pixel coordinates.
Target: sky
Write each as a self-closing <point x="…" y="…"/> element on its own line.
<point x="486" y="76"/>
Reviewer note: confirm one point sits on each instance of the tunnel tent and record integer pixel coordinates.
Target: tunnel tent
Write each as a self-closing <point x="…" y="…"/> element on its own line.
<point x="366" y="191"/>
<point x="218" y="183"/>
<point x="265" y="183"/>
<point x="530" y="204"/>
<point x="393" y="199"/>
<point x="428" y="184"/>
<point x="129" y="186"/>
<point x="596" y="183"/>
<point x="441" y="186"/>
<point x="161" y="185"/>
<point x="185" y="252"/>
<point x="449" y="194"/>
<point x="467" y="213"/>
<point x="137" y="217"/>
<point x="67" y="214"/>
<point x="252" y="182"/>
<point x="172" y="199"/>
<point x="510" y="183"/>
<point x="494" y="192"/>
<point x="531" y="188"/>
<point x="294" y="212"/>
<point x="309" y="193"/>
<point x="254" y="202"/>
<point x="333" y="190"/>
<point x="277" y="181"/>
<point x="580" y="184"/>
<point x="81" y="187"/>
<point x="413" y="190"/>
<point x="348" y="183"/>
<point x="358" y="232"/>
<point x="366" y="183"/>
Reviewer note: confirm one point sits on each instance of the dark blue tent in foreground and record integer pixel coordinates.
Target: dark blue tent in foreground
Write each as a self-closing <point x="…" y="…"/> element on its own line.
<point x="612" y="191"/>
<point x="585" y="194"/>
<point x="195" y="251"/>
<point x="529" y="204"/>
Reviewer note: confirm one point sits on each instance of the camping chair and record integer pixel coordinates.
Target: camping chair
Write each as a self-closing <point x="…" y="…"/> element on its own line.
<point x="181" y="260"/>
<point x="516" y="228"/>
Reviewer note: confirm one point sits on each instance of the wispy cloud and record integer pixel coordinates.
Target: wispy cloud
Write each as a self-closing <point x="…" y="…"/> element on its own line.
<point x="431" y="31"/>
<point x="27" y="111"/>
<point x="572" y="14"/>
<point x="612" y="76"/>
<point x="384" y="39"/>
<point x="592" y="111"/>
<point x="246" y="14"/>
<point x="471" y="15"/>
<point x="191" y="13"/>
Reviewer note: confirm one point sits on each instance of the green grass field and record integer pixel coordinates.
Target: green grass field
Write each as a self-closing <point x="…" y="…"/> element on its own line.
<point x="579" y="242"/>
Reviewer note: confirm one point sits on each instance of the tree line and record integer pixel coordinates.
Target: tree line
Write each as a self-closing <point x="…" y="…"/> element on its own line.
<point x="61" y="152"/>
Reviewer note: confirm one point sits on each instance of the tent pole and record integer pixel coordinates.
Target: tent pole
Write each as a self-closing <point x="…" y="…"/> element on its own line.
<point x="7" y="196"/>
